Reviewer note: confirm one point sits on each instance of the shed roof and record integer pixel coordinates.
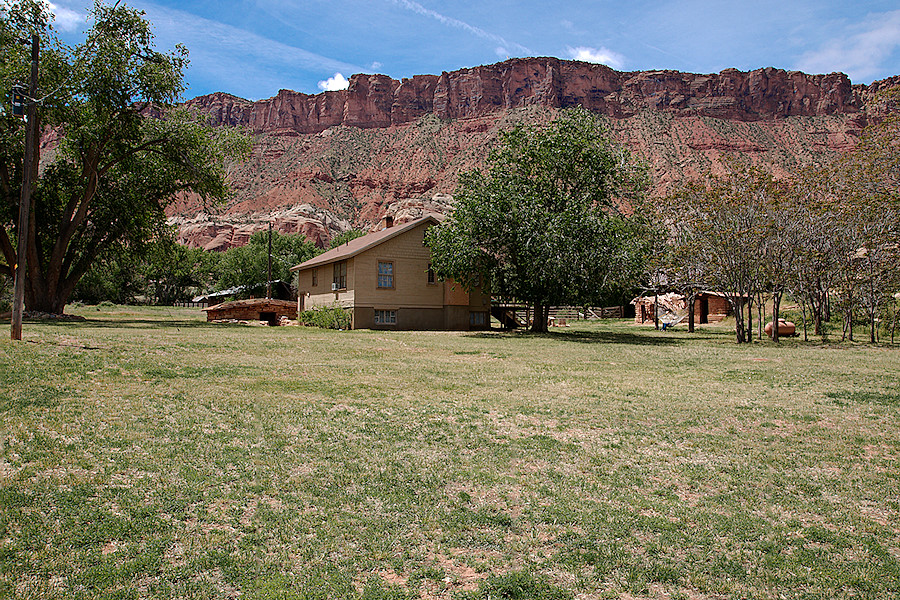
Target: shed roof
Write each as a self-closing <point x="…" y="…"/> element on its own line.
<point x="361" y="244"/>
<point x="252" y="303"/>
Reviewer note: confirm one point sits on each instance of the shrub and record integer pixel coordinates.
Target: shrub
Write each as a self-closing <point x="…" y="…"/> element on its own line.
<point x="518" y="585"/>
<point x="328" y="317"/>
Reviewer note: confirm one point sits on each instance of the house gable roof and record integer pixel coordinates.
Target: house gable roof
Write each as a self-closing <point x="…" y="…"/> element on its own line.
<point x="361" y="244"/>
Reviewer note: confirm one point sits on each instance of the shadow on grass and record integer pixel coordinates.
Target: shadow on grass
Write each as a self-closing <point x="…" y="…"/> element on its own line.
<point x="588" y="337"/>
<point x="121" y="323"/>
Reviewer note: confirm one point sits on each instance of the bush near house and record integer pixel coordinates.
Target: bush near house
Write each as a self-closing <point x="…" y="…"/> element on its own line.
<point x="329" y="317"/>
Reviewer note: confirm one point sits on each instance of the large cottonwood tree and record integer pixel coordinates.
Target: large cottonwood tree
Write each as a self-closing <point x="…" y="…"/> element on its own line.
<point x="544" y="221"/>
<point x="118" y="149"/>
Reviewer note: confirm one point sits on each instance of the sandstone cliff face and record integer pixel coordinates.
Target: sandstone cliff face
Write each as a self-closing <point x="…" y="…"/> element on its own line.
<point x="379" y="101"/>
<point x="218" y="233"/>
<point x="323" y="163"/>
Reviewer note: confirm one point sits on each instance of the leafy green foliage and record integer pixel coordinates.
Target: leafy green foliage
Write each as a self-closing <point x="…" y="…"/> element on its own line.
<point x="176" y="273"/>
<point x="6" y="293"/>
<point x="248" y="265"/>
<point x="543" y="223"/>
<point x="830" y="238"/>
<point x="518" y="585"/>
<point x="161" y="272"/>
<point x="124" y="151"/>
<point x="329" y="317"/>
<point x="345" y="237"/>
<point x="119" y="279"/>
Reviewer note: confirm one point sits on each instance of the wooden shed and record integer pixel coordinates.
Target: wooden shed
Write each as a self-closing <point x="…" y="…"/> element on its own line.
<point x="254" y="309"/>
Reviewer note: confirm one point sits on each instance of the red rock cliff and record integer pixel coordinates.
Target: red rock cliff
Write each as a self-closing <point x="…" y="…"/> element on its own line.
<point x="323" y="162"/>
<point x="379" y="101"/>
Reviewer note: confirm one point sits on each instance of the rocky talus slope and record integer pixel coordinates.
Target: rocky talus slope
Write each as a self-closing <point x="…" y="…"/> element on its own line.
<point x="326" y="162"/>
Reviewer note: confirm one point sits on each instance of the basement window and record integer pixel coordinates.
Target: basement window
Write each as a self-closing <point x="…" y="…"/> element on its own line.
<point x="385" y="317"/>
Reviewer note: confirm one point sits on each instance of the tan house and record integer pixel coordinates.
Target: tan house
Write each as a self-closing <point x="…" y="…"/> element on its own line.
<point x="385" y="280"/>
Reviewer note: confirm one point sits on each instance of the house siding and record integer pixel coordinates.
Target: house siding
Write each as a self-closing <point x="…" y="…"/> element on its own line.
<point x="418" y="304"/>
<point x="321" y="295"/>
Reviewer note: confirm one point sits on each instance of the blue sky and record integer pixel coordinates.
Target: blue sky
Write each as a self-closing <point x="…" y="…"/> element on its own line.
<point x="253" y="48"/>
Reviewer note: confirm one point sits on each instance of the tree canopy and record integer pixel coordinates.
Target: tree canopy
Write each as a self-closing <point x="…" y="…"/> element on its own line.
<point x="545" y="221"/>
<point x="120" y="149"/>
<point x="248" y="265"/>
<point x="829" y="237"/>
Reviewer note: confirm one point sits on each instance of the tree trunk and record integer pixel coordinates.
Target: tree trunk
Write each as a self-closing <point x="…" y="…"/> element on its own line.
<point x="872" y="337"/>
<point x="776" y="312"/>
<point x="748" y="328"/>
<point x="53" y="303"/>
<point x="539" y="324"/>
<point x="692" y="297"/>
<point x="803" y="309"/>
<point x="737" y="307"/>
<point x="656" y="310"/>
<point x="48" y="301"/>
<point x="760" y="313"/>
<point x="893" y="324"/>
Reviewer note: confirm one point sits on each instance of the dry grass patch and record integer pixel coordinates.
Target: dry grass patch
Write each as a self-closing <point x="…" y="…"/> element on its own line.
<point x="149" y="454"/>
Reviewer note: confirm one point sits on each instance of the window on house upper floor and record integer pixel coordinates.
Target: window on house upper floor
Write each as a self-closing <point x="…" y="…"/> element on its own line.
<point x="315" y="277"/>
<point x="385" y="274"/>
<point x="340" y="275"/>
<point x="432" y="279"/>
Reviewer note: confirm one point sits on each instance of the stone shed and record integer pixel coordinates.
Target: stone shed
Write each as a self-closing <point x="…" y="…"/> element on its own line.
<point x="254" y="309"/>
<point x="709" y="307"/>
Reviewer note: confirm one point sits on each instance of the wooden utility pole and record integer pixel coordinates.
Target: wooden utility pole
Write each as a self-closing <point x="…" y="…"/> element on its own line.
<point x="28" y="168"/>
<point x="269" y="270"/>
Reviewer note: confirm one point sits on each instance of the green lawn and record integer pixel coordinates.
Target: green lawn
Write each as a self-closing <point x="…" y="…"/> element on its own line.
<point x="146" y="453"/>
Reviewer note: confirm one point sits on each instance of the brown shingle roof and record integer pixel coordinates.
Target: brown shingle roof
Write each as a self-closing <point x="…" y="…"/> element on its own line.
<point x="361" y="244"/>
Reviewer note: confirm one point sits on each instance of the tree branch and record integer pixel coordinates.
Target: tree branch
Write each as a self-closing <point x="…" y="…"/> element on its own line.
<point x="139" y="148"/>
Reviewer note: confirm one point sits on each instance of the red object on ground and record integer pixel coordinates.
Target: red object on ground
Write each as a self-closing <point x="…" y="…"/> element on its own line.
<point x="784" y="328"/>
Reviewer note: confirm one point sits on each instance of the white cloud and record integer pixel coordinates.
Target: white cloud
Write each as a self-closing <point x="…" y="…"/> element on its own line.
<point x="861" y="51"/>
<point x="66" y="19"/>
<point x="427" y="12"/>
<point x="237" y="60"/>
<point x="375" y="65"/>
<point x="603" y="56"/>
<point x="334" y="83"/>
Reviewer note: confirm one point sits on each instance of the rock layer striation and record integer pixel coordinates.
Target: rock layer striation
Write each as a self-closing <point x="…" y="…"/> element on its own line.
<point x="328" y="161"/>
<point x="379" y="101"/>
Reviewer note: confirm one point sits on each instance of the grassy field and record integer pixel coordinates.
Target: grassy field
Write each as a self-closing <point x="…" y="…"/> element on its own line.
<point x="146" y="453"/>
